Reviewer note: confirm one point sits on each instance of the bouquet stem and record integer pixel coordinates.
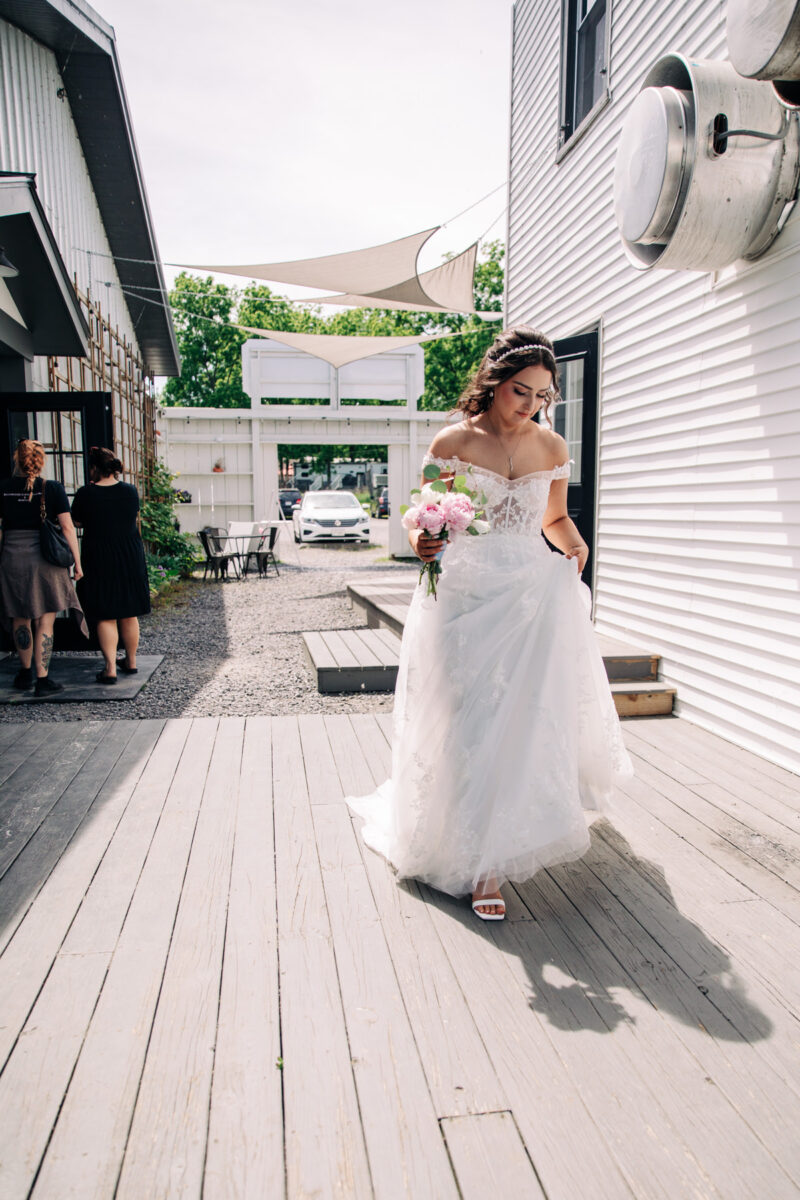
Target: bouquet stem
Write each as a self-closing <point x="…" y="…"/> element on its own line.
<point x="430" y="571"/>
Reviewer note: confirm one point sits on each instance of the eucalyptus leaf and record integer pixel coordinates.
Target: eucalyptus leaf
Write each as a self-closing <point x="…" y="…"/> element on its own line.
<point x="438" y="486"/>
<point x="431" y="471"/>
<point x="471" y="529"/>
<point x="404" y="509"/>
<point x="460" y="482"/>
<point x="415" y="492"/>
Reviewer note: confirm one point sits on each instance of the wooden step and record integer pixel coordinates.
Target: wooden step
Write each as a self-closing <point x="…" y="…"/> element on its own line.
<point x="643" y="698"/>
<point x="354" y="660"/>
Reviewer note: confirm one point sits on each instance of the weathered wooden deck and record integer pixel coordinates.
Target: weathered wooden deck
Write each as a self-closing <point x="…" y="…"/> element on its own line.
<point x="208" y="988"/>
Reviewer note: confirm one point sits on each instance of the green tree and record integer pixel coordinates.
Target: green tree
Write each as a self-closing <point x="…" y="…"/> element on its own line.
<point x="210" y="345"/>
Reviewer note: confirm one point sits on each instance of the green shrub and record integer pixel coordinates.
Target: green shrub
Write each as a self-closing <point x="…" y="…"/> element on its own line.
<point x="170" y="553"/>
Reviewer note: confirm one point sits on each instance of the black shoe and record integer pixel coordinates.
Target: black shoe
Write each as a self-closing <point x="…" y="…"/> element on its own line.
<point x="122" y="665"/>
<point x="45" y="686"/>
<point x="101" y="677"/>
<point x="23" y="680"/>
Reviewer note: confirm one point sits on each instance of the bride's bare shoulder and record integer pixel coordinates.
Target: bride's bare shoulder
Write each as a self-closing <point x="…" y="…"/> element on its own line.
<point x="450" y="442"/>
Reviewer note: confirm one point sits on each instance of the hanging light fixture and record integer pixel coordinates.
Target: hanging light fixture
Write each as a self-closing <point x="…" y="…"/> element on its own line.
<point x="7" y="268"/>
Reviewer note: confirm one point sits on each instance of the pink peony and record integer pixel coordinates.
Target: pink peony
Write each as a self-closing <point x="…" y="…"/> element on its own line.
<point x="430" y="518"/>
<point x="458" y="511"/>
<point x="410" y="518"/>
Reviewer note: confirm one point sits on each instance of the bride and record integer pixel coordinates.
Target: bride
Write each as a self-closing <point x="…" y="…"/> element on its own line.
<point x="504" y="726"/>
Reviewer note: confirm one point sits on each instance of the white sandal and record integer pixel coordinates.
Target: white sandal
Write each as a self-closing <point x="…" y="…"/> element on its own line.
<point x="496" y="901"/>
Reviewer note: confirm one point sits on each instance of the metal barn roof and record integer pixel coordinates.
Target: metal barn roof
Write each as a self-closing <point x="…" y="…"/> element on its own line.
<point x="85" y="50"/>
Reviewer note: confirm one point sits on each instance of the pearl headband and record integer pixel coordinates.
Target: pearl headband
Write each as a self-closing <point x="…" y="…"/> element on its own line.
<point x="521" y="350"/>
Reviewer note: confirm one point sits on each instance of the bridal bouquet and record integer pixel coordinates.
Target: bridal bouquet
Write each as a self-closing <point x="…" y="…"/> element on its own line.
<point x="439" y="510"/>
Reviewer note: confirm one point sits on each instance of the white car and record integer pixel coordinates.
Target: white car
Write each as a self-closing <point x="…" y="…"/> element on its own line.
<point x="323" y="516"/>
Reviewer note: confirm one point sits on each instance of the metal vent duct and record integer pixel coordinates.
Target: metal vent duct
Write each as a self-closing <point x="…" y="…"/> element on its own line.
<point x="692" y="191"/>
<point x="764" y="43"/>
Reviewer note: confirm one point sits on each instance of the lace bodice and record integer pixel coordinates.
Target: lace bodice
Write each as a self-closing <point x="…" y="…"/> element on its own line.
<point x="512" y="505"/>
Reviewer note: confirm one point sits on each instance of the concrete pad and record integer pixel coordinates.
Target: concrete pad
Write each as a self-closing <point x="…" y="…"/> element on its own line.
<point x="77" y="674"/>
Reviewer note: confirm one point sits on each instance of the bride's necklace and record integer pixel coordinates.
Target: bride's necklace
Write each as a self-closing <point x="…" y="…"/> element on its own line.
<point x="508" y="455"/>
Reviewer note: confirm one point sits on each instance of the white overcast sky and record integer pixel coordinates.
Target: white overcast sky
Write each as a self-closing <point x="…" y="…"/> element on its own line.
<point x="281" y="129"/>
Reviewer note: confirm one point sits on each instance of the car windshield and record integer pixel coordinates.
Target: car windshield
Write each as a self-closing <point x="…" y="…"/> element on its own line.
<point x="330" y="500"/>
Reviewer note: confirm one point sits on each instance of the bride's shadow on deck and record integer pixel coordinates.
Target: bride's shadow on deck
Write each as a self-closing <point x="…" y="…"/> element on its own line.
<point x="589" y="930"/>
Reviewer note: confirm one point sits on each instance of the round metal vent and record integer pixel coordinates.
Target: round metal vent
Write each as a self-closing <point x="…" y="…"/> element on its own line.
<point x="692" y="191"/>
<point x="764" y="43"/>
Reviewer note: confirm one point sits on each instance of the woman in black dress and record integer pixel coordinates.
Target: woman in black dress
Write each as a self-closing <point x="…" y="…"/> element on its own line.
<point x="114" y="589"/>
<point x="32" y="590"/>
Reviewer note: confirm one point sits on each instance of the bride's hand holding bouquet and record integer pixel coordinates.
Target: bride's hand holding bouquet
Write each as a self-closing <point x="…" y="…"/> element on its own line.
<point x="443" y="505"/>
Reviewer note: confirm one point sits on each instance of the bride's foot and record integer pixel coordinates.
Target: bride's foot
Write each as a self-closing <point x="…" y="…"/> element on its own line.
<point x="489" y="906"/>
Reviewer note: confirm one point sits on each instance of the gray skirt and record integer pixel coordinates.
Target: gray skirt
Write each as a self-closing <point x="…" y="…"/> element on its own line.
<point x="30" y="586"/>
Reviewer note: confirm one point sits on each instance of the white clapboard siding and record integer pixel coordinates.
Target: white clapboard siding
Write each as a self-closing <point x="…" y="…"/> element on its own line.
<point x="38" y="134"/>
<point x="698" y="506"/>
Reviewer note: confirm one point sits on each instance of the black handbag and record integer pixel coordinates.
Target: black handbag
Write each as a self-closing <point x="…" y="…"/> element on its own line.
<point x="52" y="542"/>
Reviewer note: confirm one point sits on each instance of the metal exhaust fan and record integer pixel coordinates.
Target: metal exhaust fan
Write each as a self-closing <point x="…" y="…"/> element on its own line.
<point x="764" y="43"/>
<point x="707" y="167"/>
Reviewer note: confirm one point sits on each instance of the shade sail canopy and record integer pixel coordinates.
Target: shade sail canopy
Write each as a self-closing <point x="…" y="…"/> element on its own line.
<point x="338" y="349"/>
<point x="447" y="288"/>
<point x="357" y="271"/>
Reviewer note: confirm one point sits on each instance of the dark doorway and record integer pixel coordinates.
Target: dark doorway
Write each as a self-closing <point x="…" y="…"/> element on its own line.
<point x="576" y="420"/>
<point x="66" y="423"/>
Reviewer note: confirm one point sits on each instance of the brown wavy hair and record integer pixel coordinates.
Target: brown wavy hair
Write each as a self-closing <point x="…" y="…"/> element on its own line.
<point x="104" y="462"/>
<point x="514" y="347"/>
<point x="29" y="461"/>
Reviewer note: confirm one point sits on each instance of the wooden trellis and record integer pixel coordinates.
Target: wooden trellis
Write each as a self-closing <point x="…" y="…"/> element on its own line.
<point x="113" y="365"/>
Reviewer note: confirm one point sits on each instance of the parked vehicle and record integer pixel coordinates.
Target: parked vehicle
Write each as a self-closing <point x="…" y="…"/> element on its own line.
<point x="382" y="503"/>
<point x="289" y="498"/>
<point x="325" y="516"/>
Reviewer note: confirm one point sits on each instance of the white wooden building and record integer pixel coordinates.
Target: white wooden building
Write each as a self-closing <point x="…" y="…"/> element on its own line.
<point x="696" y="499"/>
<point x="246" y="440"/>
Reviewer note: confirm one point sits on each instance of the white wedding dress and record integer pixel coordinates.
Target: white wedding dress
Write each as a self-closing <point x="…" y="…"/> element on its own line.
<point x="504" y="726"/>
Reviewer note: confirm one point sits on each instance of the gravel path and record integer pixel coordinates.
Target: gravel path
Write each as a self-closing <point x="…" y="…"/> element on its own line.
<point x="234" y="648"/>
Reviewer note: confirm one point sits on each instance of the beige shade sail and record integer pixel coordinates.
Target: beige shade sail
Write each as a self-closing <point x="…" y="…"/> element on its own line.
<point x="447" y="288"/>
<point x="339" y="349"/>
<point x="354" y="271"/>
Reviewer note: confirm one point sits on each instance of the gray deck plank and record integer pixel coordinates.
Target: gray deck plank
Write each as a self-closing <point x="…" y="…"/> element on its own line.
<point x="726" y="787"/>
<point x="730" y="1062"/>
<point x="621" y="1092"/>
<point x="359" y="646"/>
<point x="131" y="909"/>
<point x="727" y="842"/>
<point x="166" y="1148"/>
<point x="550" y="1106"/>
<point x="460" y="1075"/>
<point x="318" y="651"/>
<point x="19" y="743"/>
<point x="699" y="1123"/>
<point x="41" y="853"/>
<point x="324" y="1146"/>
<point x="38" y="784"/>
<point x="339" y="649"/>
<point x="404" y="1143"/>
<point x="245" y="1134"/>
<point x="708" y="947"/>
<point x="29" y="955"/>
<point x="46" y="1052"/>
<point x="489" y="1157"/>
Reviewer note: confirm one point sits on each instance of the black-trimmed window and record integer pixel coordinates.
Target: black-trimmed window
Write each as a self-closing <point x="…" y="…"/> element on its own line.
<point x="584" y="70"/>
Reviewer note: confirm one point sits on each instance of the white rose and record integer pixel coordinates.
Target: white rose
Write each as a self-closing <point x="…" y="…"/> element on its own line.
<point x="429" y="496"/>
<point x="481" y="526"/>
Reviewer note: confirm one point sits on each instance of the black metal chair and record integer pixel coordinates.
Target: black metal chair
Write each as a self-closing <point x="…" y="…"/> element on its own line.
<point x="217" y="561"/>
<point x="266" y="552"/>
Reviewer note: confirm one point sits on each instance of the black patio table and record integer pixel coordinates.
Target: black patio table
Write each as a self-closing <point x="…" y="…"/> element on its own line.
<point x="241" y="547"/>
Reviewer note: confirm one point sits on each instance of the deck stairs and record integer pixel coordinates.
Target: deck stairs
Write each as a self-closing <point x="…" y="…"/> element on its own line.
<point x="365" y="660"/>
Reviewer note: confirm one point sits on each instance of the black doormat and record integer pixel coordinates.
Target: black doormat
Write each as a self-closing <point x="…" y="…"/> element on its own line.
<point x="77" y="674"/>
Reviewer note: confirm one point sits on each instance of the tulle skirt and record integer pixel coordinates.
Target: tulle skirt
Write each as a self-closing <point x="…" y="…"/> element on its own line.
<point x="504" y="728"/>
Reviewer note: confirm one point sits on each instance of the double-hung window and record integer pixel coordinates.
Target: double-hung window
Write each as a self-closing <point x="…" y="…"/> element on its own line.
<point x="584" y="69"/>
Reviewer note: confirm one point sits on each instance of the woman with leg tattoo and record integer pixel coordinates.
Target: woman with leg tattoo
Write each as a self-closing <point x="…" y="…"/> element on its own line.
<point x="33" y="590"/>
